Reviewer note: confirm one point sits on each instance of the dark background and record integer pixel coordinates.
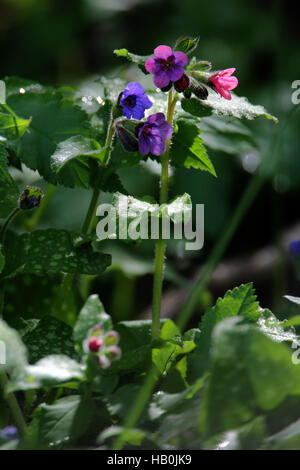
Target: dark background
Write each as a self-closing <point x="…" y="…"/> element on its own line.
<point x="68" y="42"/>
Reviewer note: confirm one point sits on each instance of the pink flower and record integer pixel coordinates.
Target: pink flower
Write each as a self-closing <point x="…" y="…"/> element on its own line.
<point x="222" y="82"/>
<point x="166" y="66"/>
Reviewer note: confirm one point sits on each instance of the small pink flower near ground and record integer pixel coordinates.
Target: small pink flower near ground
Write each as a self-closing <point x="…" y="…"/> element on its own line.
<point x="222" y="82"/>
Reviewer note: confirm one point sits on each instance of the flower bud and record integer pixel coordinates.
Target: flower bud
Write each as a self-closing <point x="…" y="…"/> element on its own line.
<point x="30" y="198"/>
<point x="199" y="90"/>
<point x="96" y="330"/>
<point x="104" y="362"/>
<point x="126" y="130"/>
<point x="111" y="338"/>
<point x="113" y="352"/>
<point x="182" y="84"/>
<point x="95" y="344"/>
<point x="187" y="93"/>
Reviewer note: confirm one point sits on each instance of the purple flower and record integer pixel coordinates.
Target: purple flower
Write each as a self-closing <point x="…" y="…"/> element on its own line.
<point x="295" y="247"/>
<point x="153" y="134"/>
<point x="166" y="66"/>
<point x="10" y="432"/>
<point x="134" y="101"/>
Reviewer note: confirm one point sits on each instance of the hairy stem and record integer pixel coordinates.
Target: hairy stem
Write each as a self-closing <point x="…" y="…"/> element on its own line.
<point x="161" y="244"/>
<point x="6" y="224"/>
<point x="13" y="405"/>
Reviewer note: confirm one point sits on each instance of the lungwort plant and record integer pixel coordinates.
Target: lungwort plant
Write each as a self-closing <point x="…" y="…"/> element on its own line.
<point x="69" y="378"/>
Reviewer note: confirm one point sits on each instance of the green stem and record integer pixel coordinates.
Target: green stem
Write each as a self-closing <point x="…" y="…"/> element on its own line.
<point x="6" y="223"/>
<point x="161" y="244"/>
<point x="13" y="405"/>
<point x="138" y="407"/>
<point x="69" y="278"/>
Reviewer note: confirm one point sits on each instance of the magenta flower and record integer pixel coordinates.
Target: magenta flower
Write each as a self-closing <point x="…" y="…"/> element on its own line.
<point x="166" y="66"/>
<point x="153" y="134"/>
<point x="222" y="82"/>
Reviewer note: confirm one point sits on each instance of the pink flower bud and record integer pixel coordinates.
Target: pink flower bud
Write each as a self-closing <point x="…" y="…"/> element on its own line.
<point x="111" y="337"/>
<point x="113" y="352"/>
<point x="95" y="344"/>
<point x="222" y="82"/>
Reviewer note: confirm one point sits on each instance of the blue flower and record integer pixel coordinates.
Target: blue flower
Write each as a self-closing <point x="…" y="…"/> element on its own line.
<point x="295" y="247"/>
<point x="8" y="433"/>
<point x="134" y="101"/>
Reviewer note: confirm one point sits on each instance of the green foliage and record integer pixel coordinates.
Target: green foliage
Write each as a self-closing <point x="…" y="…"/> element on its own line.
<point x="54" y="119"/>
<point x="71" y="160"/>
<point x="136" y="59"/>
<point x="52" y="251"/>
<point x="188" y="150"/>
<point x="227" y="380"/>
<point x="66" y="420"/>
<point x="238" y="107"/>
<point x="8" y="190"/>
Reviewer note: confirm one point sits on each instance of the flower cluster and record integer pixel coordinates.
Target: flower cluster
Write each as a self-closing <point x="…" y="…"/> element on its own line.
<point x="168" y="69"/>
<point x="103" y="345"/>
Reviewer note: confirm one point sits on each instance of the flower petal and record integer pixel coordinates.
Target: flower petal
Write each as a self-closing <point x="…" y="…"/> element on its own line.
<point x="175" y="73"/>
<point x="181" y="58"/>
<point x="151" y="65"/>
<point x="163" y="52"/>
<point x="161" y="79"/>
<point x="135" y="88"/>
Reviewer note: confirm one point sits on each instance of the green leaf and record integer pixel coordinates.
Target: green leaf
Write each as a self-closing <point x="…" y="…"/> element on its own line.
<point x="186" y="44"/>
<point x="195" y="107"/>
<point x="11" y="126"/>
<point x="238" y="107"/>
<point x="133" y="436"/>
<point x="137" y="210"/>
<point x="294" y="300"/>
<point x="188" y="149"/>
<point x="164" y="403"/>
<point x="136" y="59"/>
<point x="52" y="251"/>
<point x="71" y="160"/>
<point x="9" y="193"/>
<point x="278" y="331"/>
<point x="228" y="136"/>
<point x="54" y="119"/>
<point x="249" y="372"/>
<point x="50" y="336"/>
<point x="239" y="301"/>
<point x="66" y="420"/>
<point x="50" y="371"/>
<point x="12" y="349"/>
<point x="91" y="314"/>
